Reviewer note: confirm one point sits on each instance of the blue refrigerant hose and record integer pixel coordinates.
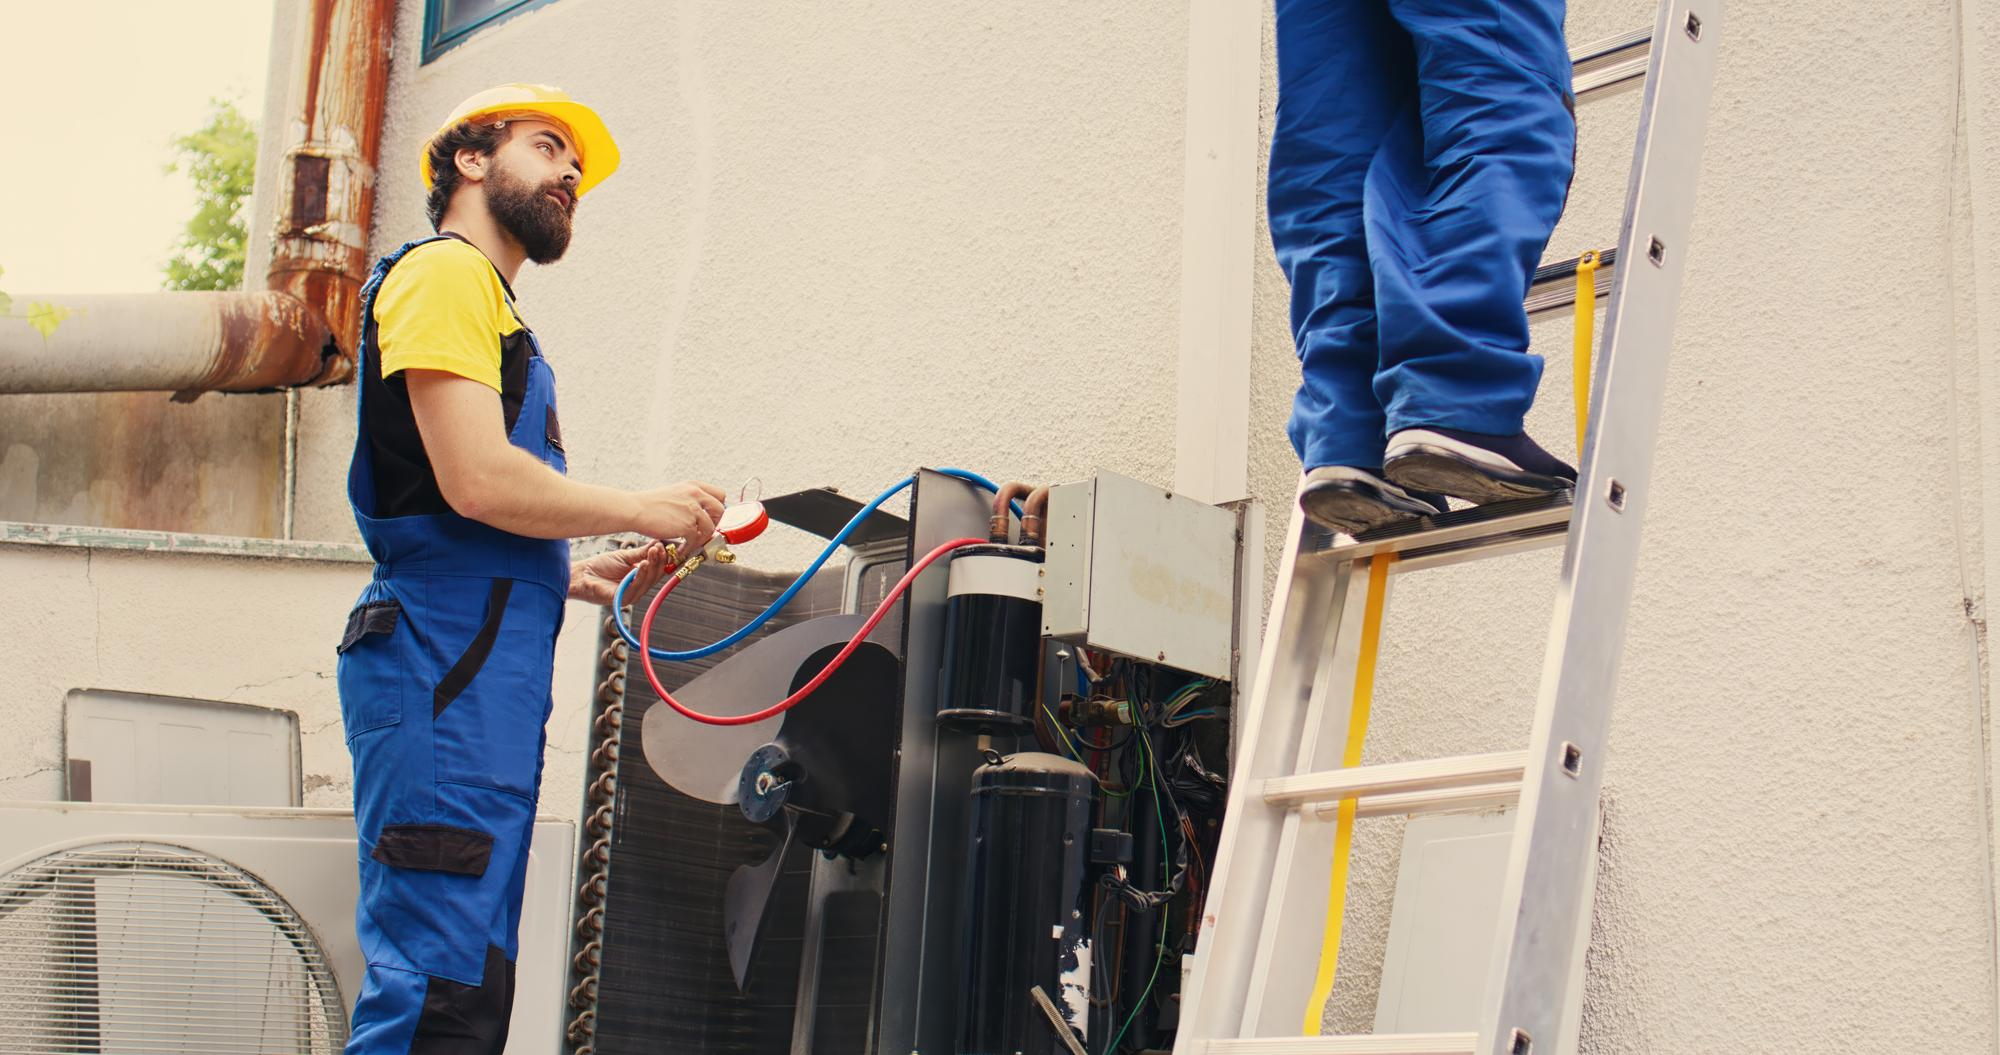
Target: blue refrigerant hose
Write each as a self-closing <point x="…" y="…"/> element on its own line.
<point x="618" y="600"/>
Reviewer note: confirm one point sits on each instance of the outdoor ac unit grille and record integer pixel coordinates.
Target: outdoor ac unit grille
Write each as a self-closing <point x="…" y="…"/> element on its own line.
<point x="146" y="948"/>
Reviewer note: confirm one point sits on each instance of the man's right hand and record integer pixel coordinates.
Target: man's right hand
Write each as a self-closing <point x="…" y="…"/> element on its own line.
<point x="686" y="510"/>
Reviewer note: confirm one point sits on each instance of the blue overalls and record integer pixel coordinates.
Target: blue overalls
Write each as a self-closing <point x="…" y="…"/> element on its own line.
<point x="1421" y="157"/>
<point x="444" y="679"/>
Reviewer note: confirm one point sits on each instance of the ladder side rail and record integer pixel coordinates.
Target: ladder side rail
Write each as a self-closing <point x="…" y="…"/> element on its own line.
<point x="1524" y="1007"/>
<point x="1304" y="607"/>
<point x="1288" y="946"/>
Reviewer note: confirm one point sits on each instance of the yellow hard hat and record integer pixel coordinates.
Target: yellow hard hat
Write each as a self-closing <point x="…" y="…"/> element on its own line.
<point x="595" y="149"/>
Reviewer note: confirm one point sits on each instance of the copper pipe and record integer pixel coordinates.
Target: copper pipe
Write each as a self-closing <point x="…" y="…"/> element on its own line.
<point x="1033" y="513"/>
<point x="996" y="528"/>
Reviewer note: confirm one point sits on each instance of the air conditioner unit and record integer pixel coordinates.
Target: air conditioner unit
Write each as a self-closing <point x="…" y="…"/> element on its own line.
<point x="169" y="929"/>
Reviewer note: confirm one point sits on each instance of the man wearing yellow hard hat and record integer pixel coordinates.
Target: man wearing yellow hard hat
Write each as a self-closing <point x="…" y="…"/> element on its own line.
<point x="459" y="490"/>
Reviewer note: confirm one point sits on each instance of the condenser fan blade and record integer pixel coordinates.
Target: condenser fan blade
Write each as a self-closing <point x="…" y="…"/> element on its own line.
<point x="704" y="761"/>
<point x="746" y="902"/>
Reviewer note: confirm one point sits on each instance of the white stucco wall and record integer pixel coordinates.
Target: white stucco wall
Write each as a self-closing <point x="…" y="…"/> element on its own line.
<point x="849" y="239"/>
<point x="257" y="630"/>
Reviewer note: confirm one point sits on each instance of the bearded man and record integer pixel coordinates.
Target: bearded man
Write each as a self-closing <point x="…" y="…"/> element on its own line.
<point x="459" y="490"/>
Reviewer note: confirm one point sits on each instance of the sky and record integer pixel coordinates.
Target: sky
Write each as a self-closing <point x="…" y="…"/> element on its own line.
<point x="95" y="90"/>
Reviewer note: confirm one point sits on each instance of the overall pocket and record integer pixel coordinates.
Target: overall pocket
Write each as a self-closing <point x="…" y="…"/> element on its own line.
<point x="434" y="848"/>
<point x="370" y="669"/>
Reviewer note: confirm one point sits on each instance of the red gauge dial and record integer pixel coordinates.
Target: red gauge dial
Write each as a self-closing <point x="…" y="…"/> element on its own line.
<point x="743" y="522"/>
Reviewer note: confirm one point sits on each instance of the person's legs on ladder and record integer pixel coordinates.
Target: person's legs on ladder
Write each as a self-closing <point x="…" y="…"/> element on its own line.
<point x="1345" y="70"/>
<point x="1461" y="200"/>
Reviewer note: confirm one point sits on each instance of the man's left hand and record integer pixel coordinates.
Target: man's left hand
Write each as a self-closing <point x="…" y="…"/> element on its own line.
<point x="596" y="579"/>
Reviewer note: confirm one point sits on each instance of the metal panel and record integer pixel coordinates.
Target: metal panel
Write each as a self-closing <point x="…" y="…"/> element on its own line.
<point x="168" y="750"/>
<point x="537" y="1021"/>
<point x="1160" y="571"/>
<point x="1066" y="561"/>
<point x="1553" y="848"/>
<point x="1447" y="909"/>
<point x="934" y="776"/>
<point x="839" y="962"/>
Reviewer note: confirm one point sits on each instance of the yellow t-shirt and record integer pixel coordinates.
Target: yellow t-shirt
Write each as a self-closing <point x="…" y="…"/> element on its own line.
<point x="443" y="307"/>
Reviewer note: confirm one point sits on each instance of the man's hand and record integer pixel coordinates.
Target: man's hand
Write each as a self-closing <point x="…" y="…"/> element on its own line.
<point x="686" y="510"/>
<point x="596" y="580"/>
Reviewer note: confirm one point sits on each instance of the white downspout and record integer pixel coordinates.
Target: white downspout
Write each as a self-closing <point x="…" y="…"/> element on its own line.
<point x="1218" y="229"/>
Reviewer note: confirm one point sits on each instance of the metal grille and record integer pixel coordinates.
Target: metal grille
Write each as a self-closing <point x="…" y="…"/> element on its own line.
<point x="146" y="948"/>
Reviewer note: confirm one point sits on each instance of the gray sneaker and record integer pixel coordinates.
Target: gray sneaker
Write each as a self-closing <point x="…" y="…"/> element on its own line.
<point x="1476" y="467"/>
<point x="1349" y="500"/>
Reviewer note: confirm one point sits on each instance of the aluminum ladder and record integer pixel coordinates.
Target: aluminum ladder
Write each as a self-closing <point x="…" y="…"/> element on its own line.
<point x="1254" y="968"/>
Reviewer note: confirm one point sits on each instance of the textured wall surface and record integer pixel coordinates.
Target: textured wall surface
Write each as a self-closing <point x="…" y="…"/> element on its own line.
<point x="238" y="630"/>
<point x="853" y="238"/>
<point x="139" y="460"/>
<point x="254" y="630"/>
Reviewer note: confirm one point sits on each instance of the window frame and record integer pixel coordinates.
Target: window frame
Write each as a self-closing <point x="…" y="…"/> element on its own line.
<point x="437" y="41"/>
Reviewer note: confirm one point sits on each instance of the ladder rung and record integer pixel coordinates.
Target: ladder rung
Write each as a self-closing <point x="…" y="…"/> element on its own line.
<point x="1396" y="778"/>
<point x="1444" y="800"/>
<point x="1365" y="1044"/>
<point x="1529" y="523"/>
<point x="1553" y="289"/>
<point x="1616" y="62"/>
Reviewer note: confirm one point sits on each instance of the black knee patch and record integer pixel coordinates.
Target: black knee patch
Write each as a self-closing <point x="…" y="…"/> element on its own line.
<point x="460" y="1019"/>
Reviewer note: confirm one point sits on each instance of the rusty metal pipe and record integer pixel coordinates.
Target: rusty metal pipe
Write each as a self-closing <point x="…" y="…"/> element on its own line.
<point x="340" y="84"/>
<point x="187" y="343"/>
<point x="303" y="328"/>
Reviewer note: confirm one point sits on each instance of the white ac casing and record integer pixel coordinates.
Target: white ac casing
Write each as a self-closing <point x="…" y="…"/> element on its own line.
<point x="307" y="857"/>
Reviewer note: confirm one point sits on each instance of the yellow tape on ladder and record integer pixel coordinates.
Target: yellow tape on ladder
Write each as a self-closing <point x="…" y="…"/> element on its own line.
<point x="1586" y="319"/>
<point x="1343" y="835"/>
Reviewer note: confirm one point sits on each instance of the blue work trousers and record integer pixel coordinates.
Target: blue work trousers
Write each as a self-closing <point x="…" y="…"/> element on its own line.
<point x="1422" y="154"/>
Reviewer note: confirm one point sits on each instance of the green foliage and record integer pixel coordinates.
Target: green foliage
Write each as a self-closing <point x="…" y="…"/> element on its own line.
<point x="45" y="317"/>
<point x="41" y="315"/>
<point x="221" y="159"/>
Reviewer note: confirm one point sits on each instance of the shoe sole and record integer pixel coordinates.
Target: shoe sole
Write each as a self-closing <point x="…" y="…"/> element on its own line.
<point x="1349" y="509"/>
<point x="1423" y="467"/>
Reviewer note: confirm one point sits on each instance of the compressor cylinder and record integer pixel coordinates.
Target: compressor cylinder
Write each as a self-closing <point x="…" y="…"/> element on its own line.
<point x="992" y="638"/>
<point x="1024" y="922"/>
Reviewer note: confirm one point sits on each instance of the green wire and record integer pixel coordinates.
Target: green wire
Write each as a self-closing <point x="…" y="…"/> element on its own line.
<point x="1128" y="791"/>
<point x="1061" y="734"/>
<point x="1160" y="948"/>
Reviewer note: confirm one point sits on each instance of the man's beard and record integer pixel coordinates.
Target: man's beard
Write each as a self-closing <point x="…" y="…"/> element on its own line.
<point x="535" y="220"/>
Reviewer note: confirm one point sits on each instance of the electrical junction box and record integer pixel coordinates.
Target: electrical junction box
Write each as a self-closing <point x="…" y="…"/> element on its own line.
<point x="1140" y="571"/>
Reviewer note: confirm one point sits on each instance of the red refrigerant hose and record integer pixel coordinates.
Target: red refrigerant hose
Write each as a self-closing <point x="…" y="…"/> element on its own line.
<point x="786" y="704"/>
